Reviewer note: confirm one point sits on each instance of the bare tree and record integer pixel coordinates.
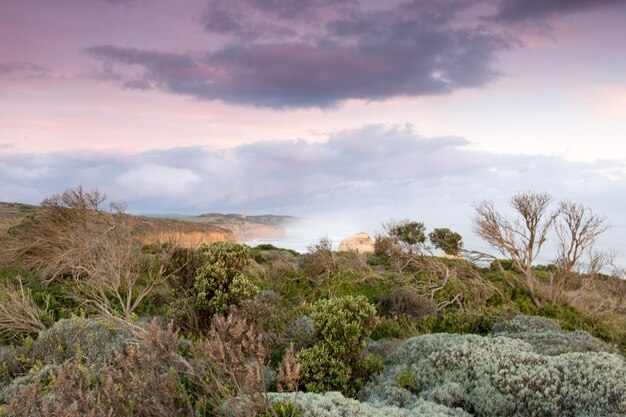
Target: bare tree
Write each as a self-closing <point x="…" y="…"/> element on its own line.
<point x="577" y="229"/>
<point x="520" y="238"/>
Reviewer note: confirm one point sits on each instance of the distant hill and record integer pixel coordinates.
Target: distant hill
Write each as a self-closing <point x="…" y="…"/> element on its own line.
<point x="190" y="231"/>
<point x="245" y="227"/>
<point x="12" y="214"/>
<point x="148" y="229"/>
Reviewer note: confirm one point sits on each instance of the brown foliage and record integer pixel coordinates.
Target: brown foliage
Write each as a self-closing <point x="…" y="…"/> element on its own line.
<point x="145" y="381"/>
<point x="320" y="262"/>
<point x="64" y="236"/>
<point x="232" y="357"/>
<point x="19" y="314"/>
<point x="73" y="236"/>
<point x="289" y="372"/>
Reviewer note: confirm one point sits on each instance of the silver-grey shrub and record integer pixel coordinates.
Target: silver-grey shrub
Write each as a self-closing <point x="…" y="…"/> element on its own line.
<point x="334" y="404"/>
<point x="9" y="364"/>
<point x="547" y="338"/>
<point x="522" y="323"/>
<point x="502" y="376"/>
<point x="96" y="341"/>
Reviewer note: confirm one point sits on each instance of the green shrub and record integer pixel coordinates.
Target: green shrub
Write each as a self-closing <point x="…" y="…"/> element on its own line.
<point x="398" y="327"/>
<point x="183" y="267"/>
<point x="337" y="362"/>
<point x="282" y="409"/>
<point x="221" y="281"/>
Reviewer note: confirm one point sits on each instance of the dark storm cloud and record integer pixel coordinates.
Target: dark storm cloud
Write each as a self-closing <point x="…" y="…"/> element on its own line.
<point x="356" y="170"/>
<point x="23" y="69"/>
<point x="317" y="53"/>
<point x="512" y="11"/>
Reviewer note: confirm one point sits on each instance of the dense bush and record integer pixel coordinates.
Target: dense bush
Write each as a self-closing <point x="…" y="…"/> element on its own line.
<point x="320" y="262"/>
<point x="523" y="324"/>
<point x="385" y="250"/>
<point x="501" y="376"/>
<point x="97" y="342"/>
<point x="337" y="362"/>
<point x="221" y="281"/>
<point x="143" y="380"/>
<point x="9" y="365"/>
<point x="182" y="268"/>
<point x="405" y="301"/>
<point x="395" y="327"/>
<point x="302" y="331"/>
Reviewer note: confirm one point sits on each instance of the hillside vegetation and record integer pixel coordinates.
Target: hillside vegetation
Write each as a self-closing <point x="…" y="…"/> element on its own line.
<point x="95" y="323"/>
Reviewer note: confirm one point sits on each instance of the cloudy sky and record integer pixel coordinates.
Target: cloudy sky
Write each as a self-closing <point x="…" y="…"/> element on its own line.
<point x="351" y="110"/>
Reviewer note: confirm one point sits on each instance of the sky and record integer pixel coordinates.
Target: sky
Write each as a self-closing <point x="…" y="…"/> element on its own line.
<point x="351" y="112"/>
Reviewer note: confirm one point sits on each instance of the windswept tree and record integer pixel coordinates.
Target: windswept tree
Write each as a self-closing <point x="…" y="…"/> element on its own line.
<point x="448" y="241"/>
<point x="77" y="238"/>
<point x="409" y="235"/>
<point x="520" y="236"/>
<point x="63" y="236"/>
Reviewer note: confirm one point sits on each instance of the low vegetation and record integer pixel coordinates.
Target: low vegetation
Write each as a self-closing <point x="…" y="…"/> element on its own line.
<point x="93" y="323"/>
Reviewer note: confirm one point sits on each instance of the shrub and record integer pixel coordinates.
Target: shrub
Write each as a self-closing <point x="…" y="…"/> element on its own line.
<point x="546" y="337"/>
<point x="521" y="324"/>
<point x="9" y="365"/>
<point x="282" y="409"/>
<point x="144" y="380"/>
<point x="20" y="315"/>
<point x="406" y="301"/>
<point x="501" y="376"/>
<point x="221" y="281"/>
<point x="302" y="331"/>
<point x="333" y="404"/>
<point x="182" y="268"/>
<point x="445" y="239"/>
<point x="96" y="341"/>
<point x="385" y="248"/>
<point x="397" y="327"/>
<point x="320" y="262"/>
<point x="336" y="362"/>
